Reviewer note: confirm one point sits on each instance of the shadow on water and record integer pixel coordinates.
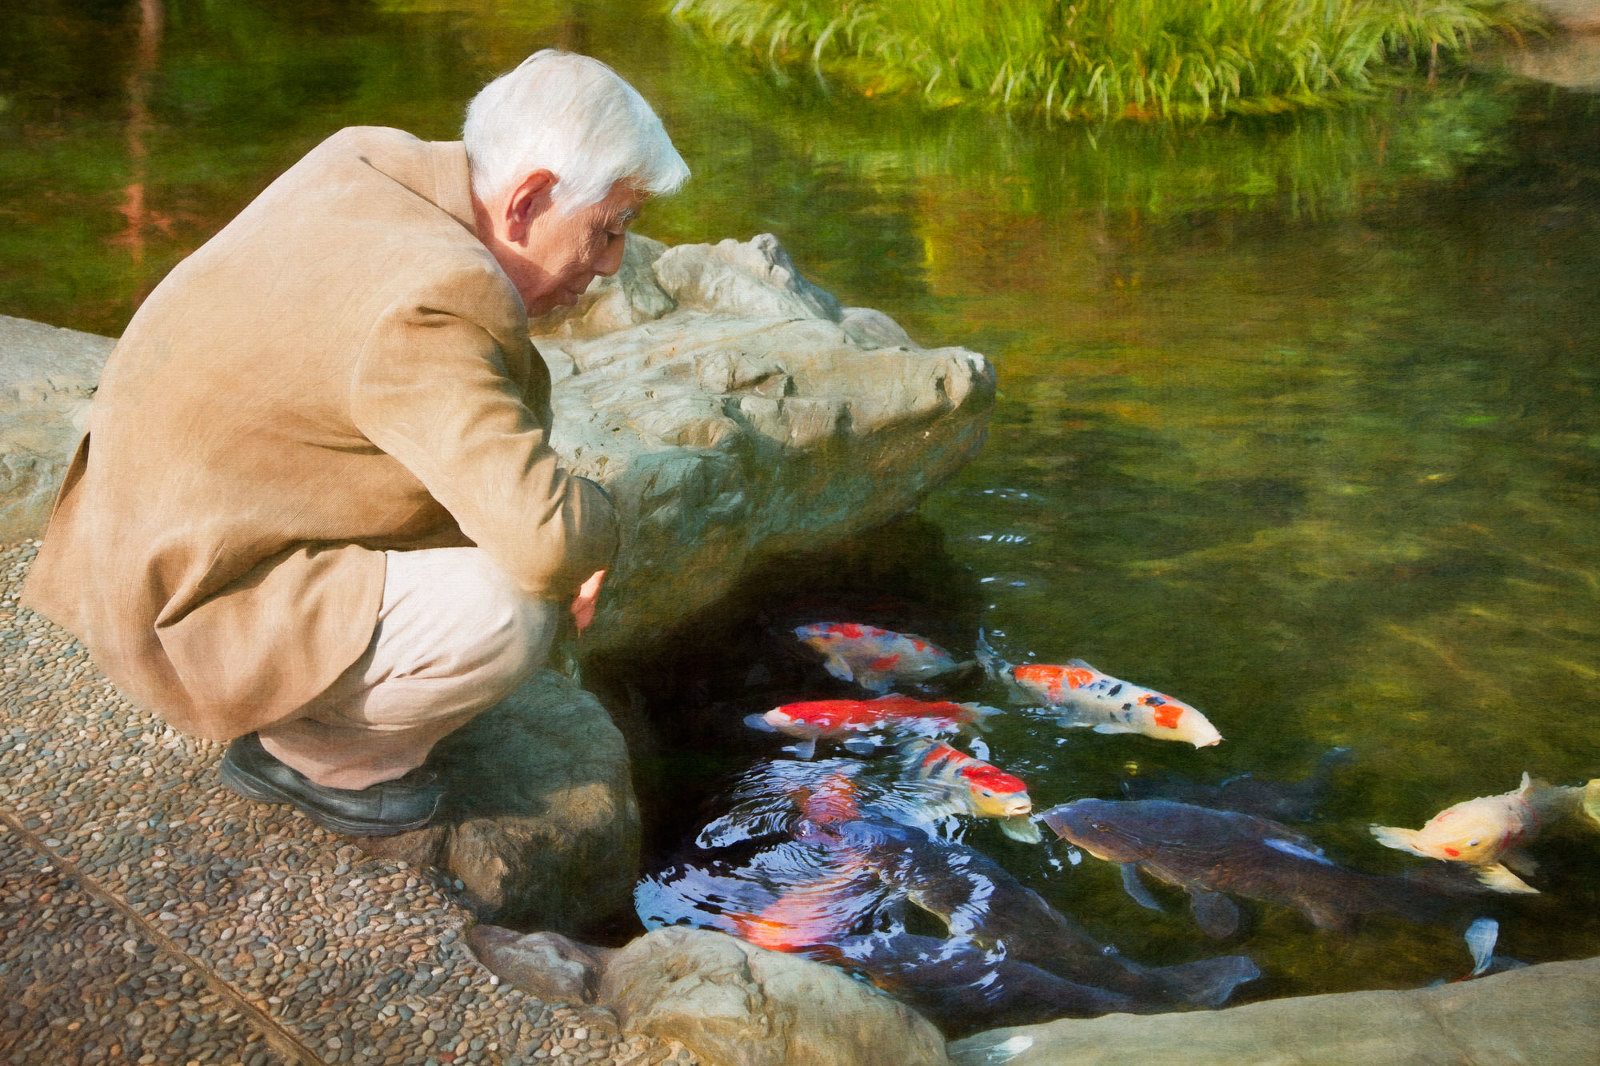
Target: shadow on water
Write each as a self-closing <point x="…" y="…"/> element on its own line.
<point x="682" y="703"/>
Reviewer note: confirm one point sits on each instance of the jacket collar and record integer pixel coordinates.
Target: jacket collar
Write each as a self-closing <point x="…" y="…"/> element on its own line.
<point x="451" y="183"/>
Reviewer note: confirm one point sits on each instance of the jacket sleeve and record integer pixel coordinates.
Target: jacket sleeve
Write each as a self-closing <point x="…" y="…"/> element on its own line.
<point x="432" y="387"/>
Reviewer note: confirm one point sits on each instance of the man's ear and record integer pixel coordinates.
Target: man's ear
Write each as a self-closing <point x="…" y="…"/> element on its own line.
<point x="528" y="201"/>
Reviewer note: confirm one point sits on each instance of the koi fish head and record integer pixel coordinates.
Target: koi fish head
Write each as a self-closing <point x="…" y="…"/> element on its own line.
<point x="1476" y="832"/>
<point x="1176" y="720"/>
<point x="995" y="793"/>
<point x="795" y="720"/>
<point x="1098" y="827"/>
<point x="833" y="800"/>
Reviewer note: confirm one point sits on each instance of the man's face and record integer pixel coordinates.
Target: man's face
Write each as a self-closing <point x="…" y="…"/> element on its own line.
<point x="554" y="257"/>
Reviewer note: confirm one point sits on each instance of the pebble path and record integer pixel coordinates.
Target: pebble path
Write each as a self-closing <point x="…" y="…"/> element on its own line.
<point x="148" y="915"/>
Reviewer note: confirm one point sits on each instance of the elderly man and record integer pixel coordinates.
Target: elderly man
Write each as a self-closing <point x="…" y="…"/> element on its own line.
<point x="317" y="512"/>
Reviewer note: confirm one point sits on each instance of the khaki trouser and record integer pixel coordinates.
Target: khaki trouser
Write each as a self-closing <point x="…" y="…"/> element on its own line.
<point x="454" y="637"/>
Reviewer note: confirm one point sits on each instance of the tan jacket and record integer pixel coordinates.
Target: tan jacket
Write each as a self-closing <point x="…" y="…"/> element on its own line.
<point x="342" y="369"/>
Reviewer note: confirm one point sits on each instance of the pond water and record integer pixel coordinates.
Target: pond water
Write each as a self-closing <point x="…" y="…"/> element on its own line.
<point x="1297" y="424"/>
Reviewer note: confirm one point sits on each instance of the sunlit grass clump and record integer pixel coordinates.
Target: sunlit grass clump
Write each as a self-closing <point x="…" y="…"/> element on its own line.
<point x="1186" y="59"/>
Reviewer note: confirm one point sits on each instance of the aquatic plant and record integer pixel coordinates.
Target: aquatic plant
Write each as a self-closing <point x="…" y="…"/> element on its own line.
<point x="1169" y="59"/>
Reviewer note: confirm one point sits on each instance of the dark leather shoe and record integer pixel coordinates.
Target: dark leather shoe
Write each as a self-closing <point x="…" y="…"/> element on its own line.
<point x="378" y="810"/>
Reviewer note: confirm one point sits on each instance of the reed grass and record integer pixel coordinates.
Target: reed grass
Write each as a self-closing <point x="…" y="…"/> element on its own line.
<point x="1169" y="59"/>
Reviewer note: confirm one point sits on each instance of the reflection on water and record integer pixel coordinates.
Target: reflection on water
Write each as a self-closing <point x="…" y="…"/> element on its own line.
<point x="1298" y="424"/>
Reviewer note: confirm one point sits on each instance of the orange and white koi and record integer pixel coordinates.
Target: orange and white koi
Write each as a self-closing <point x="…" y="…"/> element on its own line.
<point x="1085" y="696"/>
<point x="810" y="720"/>
<point x="968" y="785"/>
<point x="1486" y="833"/>
<point x="877" y="659"/>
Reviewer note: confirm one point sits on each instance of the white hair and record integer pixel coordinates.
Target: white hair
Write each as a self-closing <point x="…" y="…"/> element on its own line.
<point x="575" y="117"/>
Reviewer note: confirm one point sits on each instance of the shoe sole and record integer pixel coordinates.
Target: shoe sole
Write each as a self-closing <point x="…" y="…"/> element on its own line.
<point x="261" y="792"/>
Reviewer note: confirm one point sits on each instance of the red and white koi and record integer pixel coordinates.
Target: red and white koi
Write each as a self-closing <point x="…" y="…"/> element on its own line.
<point x="876" y="659"/>
<point x="967" y="785"/>
<point x="1486" y="833"/>
<point x="811" y="720"/>
<point x="1085" y="696"/>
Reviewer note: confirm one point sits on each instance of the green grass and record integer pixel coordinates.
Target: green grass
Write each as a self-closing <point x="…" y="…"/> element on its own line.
<point x="1153" y="59"/>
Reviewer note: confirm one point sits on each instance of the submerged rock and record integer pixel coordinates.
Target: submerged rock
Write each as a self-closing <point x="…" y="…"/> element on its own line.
<point x="735" y="1004"/>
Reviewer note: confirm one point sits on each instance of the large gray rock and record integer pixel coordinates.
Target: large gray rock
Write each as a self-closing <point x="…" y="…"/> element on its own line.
<point x="1547" y="1015"/>
<point x="740" y="412"/>
<point x="540" y="822"/>
<point x="734" y="410"/>
<point x="734" y="1004"/>
<point x="47" y="376"/>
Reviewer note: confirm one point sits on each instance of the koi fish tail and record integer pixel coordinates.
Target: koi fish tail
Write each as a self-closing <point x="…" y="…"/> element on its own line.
<point x="1207" y="982"/>
<point x="981" y="714"/>
<point x="990" y="660"/>
<point x="1399" y="839"/>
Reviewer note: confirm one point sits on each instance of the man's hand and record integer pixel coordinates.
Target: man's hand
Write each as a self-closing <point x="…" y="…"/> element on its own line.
<point x="583" y="604"/>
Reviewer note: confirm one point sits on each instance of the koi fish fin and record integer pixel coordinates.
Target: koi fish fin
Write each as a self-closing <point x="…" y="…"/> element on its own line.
<point x="981" y="713"/>
<point x="1298" y="850"/>
<point x="1501" y="879"/>
<point x="837" y="667"/>
<point x="1114" y="727"/>
<point x="1521" y="862"/>
<point x="1217" y="914"/>
<point x="859" y="745"/>
<point x="804" y="749"/>
<point x="1135" y="888"/>
<point x="1399" y="839"/>
<point x="1208" y="982"/>
<point x="1080" y="664"/>
<point x="1327" y="917"/>
<point x="1021" y="828"/>
<point x="989" y="659"/>
<point x="1481" y="936"/>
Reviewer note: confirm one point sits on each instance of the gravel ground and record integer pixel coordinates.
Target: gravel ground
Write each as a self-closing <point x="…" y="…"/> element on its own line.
<point x="148" y="915"/>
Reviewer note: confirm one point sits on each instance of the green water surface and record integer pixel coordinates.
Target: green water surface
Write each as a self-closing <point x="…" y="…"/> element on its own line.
<point x="1298" y="419"/>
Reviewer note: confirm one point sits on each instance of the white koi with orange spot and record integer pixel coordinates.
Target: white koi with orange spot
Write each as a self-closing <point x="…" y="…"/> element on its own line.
<point x="1090" y="698"/>
<point x="1485" y="833"/>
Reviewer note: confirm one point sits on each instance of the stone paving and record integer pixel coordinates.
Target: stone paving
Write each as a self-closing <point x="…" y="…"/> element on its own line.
<point x="148" y="915"/>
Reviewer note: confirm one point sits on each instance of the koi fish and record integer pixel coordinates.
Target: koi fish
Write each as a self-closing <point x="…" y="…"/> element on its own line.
<point x="810" y="720"/>
<point x="1590" y="802"/>
<point x="1211" y="854"/>
<point x="1286" y="801"/>
<point x="972" y="786"/>
<point x="879" y="659"/>
<point x="1486" y="833"/>
<point x="968" y="986"/>
<point x="1007" y="948"/>
<point x="1086" y="697"/>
